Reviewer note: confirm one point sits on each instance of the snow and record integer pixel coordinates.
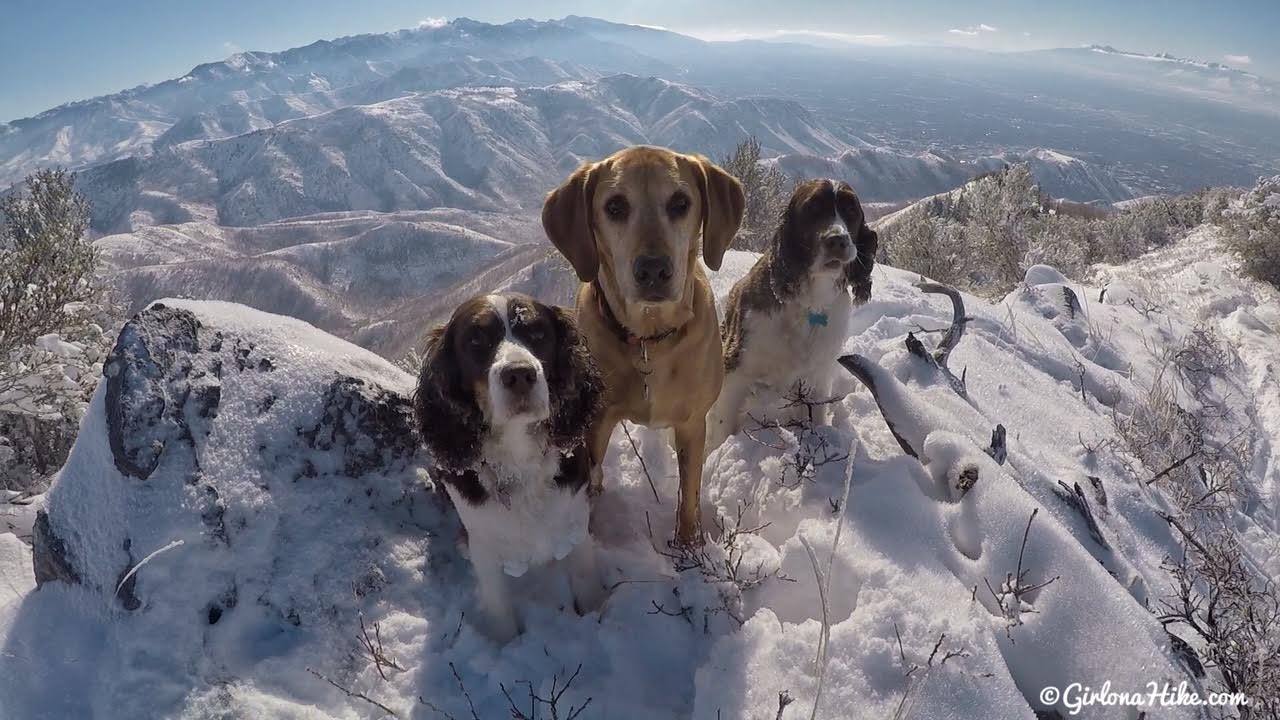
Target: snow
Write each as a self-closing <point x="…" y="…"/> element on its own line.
<point x="1043" y="275"/>
<point x="913" y="563"/>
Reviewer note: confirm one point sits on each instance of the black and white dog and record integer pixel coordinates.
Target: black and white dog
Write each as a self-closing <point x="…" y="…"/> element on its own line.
<point x="505" y="399"/>
<point x="787" y="320"/>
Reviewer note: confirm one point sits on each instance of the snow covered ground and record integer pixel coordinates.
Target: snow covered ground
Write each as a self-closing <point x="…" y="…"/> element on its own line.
<point x="310" y="543"/>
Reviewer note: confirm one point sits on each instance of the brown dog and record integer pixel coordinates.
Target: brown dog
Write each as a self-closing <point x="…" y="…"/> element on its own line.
<point x="629" y="225"/>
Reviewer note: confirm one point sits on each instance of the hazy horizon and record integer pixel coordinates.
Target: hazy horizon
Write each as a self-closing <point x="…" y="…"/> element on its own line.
<point x="38" y="81"/>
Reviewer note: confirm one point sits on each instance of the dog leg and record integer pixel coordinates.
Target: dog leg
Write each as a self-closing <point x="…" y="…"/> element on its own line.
<point x="822" y="382"/>
<point x="599" y="447"/>
<point x="584" y="578"/>
<point x="494" y="593"/>
<point x="691" y="441"/>
<point x="725" y="417"/>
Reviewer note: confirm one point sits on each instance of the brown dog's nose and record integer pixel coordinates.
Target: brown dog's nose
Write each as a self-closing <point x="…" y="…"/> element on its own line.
<point x="652" y="272"/>
<point x="518" y="379"/>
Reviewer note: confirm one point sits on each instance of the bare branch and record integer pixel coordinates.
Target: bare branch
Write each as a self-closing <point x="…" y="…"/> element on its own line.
<point x="353" y="694"/>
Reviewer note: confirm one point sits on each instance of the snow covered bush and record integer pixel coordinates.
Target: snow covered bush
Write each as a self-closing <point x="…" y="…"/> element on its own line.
<point x="1000" y="210"/>
<point x="1065" y="242"/>
<point x="983" y="237"/>
<point x="1252" y="231"/>
<point x="51" y="338"/>
<point x="931" y="246"/>
<point x="767" y="189"/>
<point x="976" y="238"/>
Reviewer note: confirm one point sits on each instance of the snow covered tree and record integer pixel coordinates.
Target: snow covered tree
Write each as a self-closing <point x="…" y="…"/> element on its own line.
<point x="51" y="339"/>
<point x="999" y="209"/>
<point x="1252" y="231"/>
<point x="930" y="245"/>
<point x="767" y="190"/>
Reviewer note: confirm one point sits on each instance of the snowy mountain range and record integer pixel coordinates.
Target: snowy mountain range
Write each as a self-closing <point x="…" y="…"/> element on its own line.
<point x="322" y="181"/>
<point x="473" y="148"/>
<point x="965" y="103"/>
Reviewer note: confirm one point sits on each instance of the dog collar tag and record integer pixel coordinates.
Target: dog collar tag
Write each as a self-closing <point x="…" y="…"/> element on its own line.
<point x="817" y="318"/>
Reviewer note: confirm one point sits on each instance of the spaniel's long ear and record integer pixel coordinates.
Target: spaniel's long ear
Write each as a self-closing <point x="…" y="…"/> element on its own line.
<point x="858" y="272"/>
<point x="577" y="390"/>
<point x="566" y="218"/>
<point x="722" y="206"/>
<point x="448" y="419"/>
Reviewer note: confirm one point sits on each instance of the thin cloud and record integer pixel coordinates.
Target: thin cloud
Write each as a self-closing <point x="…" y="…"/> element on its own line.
<point x="432" y="23"/>
<point x="974" y="30"/>
<point x="1238" y="59"/>
<point x="232" y="48"/>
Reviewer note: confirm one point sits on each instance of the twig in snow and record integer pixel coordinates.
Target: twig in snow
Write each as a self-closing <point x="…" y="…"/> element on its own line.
<point x="1176" y="464"/>
<point x="552" y="703"/>
<point x="353" y="694"/>
<point x="643" y="465"/>
<point x="463" y="688"/>
<point x="917" y="679"/>
<point x="998" y="449"/>
<point x="812" y="449"/>
<point x="372" y="647"/>
<point x="727" y="567"/>
<point x="861" y="368"/>
<point x="144" y="561"/>
<point x="433" y="707"/>
<point x="1075" y="497"/>
<point x="1012" y="590"/>
<point x="824" y="582"/>
<point x="784" y="699"/>
<point x="938" y="358"/>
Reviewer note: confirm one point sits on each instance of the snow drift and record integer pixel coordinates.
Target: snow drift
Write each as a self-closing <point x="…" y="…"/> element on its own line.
<point x="246" y="496"/>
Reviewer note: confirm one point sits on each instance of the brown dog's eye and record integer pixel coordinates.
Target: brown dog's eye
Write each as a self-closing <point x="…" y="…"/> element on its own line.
<point x="678" y="205"/>
<point x="617" y="208"/>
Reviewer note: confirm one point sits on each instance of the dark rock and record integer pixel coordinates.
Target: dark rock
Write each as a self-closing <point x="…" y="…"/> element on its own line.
<point x="50" y="554"/>
<point x="154" y="372"/>
<point x="371" y="427"/>
<point x="126" y="584"/>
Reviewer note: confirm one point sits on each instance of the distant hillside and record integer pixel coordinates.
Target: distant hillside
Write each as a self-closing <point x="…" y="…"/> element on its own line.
<point x="491" y="149"/>
<point x="881" y="174"/>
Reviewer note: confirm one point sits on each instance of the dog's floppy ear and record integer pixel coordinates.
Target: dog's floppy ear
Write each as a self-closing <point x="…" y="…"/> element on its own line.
<point x="577" y="389"/>
<point x="722" y="206"/>
<point x="566" y="218"/>
<point x="447" y="417"/>
<point x="858" y="272"/>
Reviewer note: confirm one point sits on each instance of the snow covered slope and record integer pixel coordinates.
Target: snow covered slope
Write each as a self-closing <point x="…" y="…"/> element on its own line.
<point x="278" y="457"/>
<point x="882" y="174"/>
<point x="336" y="271"/>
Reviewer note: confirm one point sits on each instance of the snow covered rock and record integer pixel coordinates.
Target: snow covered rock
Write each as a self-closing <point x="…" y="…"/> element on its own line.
<point x="1043" y="275"/>
<point x="235" y="469"/>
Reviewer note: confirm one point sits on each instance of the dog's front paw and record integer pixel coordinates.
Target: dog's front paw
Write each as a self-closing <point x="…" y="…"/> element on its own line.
<point x="595" y="483"/>
<point x="688" y="538"/>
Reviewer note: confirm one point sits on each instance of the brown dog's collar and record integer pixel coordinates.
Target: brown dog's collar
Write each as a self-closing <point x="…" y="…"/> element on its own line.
<point x="619" y="330"/>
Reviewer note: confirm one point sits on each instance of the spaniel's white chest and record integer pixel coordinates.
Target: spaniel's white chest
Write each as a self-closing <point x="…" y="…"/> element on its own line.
<point x="527" y="520"/>
<point x="801" y="338"/>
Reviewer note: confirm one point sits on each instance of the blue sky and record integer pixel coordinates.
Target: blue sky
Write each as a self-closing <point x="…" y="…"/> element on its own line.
<point x="60" y="50"/>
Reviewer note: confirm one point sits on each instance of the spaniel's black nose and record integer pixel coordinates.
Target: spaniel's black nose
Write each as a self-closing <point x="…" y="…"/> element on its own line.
<point x="518" y="379"/>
